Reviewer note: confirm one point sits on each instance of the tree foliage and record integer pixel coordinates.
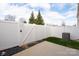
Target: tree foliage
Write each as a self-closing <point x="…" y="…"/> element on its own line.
<point x="39" y="20"/>
<point x="31" y="19"/>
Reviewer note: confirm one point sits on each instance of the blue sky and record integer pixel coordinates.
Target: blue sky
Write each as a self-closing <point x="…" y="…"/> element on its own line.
<point x="53" y="13"/>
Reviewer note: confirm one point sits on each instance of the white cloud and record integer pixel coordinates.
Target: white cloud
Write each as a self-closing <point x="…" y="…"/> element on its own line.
<point x="71" y="22"/>
<point x="2" y="7"/>
<point x="54" y="15"/>
<point x="70" y="14"/>
<point x="71" y="17"/>
<point x="14" y="10"/>
<point x="45" y="6"/>
<point x="53" y="18"/>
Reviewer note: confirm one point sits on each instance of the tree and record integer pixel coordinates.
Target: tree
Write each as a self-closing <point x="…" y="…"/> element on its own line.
<point x="31" y="19"/>
<point x="39" y="19"/>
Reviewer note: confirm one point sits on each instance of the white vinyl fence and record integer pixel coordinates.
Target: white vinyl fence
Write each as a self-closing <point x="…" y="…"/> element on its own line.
<point x="57" y="31"/>
<point x="13" y="34"/>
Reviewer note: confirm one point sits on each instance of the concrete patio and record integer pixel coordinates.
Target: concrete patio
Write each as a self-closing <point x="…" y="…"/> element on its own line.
<point x="48" y="49"/>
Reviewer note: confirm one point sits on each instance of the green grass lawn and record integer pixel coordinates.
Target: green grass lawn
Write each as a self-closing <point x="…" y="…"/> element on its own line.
<point x="67" y="43"/>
